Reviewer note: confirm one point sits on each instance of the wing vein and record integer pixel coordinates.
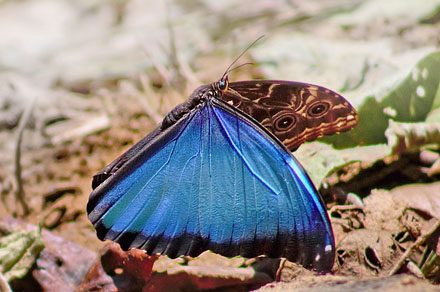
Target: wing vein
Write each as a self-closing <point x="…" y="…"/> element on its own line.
<point x="241" y="155"/>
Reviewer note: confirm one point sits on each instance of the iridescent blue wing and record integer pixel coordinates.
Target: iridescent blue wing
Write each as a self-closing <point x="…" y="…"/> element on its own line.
<point x="215" y="180"/>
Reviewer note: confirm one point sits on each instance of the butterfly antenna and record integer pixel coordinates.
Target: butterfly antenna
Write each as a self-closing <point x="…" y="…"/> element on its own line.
<point x="239" y="66"/>
<point x="242" y="53"/>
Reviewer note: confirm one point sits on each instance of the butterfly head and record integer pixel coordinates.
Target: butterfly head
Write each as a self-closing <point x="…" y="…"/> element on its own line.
<point x="222" y="85"/>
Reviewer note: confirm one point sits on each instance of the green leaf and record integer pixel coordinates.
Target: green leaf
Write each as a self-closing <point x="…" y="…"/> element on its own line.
<point x="18" y="252"/>
<point x="414" y="99"/>
<point x="320" y="159"/>
<point x="434" y="114"/>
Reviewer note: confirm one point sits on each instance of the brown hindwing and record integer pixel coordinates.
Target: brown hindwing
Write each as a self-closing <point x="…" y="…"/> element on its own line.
<point x="294" y="112"/>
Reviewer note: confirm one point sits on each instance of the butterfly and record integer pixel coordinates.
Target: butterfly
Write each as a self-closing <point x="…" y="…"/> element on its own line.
<point x="217" y="175"/>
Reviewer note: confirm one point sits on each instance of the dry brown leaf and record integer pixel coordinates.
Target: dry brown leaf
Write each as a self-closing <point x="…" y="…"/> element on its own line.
<point x="422" y="197"/>
<point x="117" y="270"/>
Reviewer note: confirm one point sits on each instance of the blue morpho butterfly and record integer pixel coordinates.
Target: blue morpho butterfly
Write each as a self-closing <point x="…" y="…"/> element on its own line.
<point x="215" y="176"/>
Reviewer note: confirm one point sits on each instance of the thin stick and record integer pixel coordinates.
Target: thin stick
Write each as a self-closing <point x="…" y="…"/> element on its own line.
<point x="344" y="208"/>
<point x="188" y="72"/>
<point x="149" y="94"/>
<point x="4" y="286"/>
<point x="421" y="240"/>
<point x="280" y="269"/>
<point x="19" y="192"/>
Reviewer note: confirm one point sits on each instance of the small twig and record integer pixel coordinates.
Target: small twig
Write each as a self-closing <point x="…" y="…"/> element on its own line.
<point x="19" y="192"/>
<point x="421" y="240"/>
<point x="107" y="102"/>
<point x="4" y="286"/>
<point x="163" y="72"/>
<point x="145" y="100"/>
<point x="189" y="74"/>
<point x="5" y="185"/>
<point x="340" y="221"/>
<point x="166" y="76"/>
<point x="280" y="269"/>
<point x="344" y="208"/>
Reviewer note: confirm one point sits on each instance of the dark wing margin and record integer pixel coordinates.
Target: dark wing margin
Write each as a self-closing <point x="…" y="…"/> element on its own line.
<point x="111" y="169"/>
<point x="215" y="180"/>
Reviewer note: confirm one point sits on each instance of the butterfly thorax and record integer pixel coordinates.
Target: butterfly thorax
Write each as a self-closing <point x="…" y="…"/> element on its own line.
<point x="198" y="97"/>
